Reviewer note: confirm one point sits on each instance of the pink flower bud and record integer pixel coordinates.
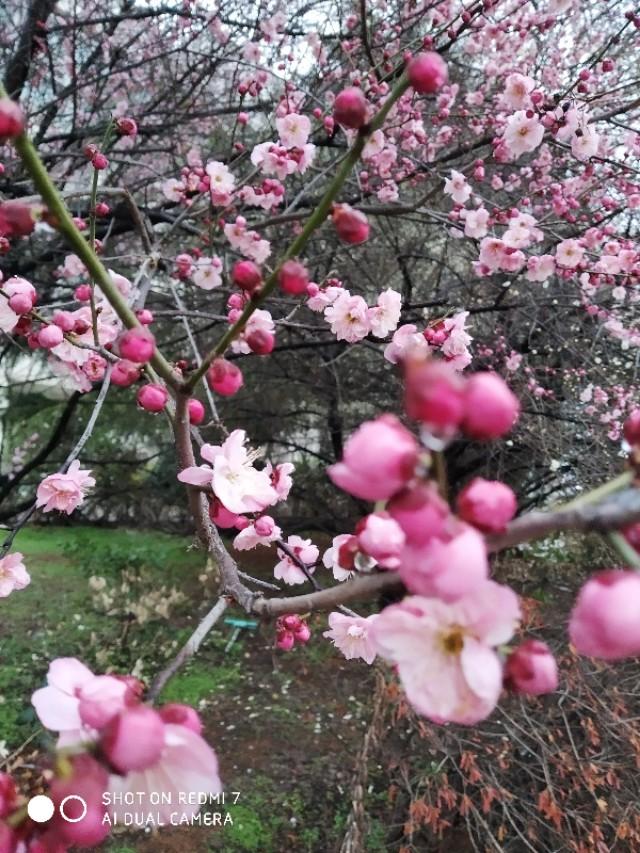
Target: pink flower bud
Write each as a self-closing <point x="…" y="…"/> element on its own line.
<point x="102" y="209"/>
<point x="21" y="303"/>
<point x="137" y="345"/>
<point x="293" y="278"/>
<point x="290" y="622"/>
<point x="224" y="377"/>
<point x="243" y="118"/>
<point x="261" y="342"/>
<point x="242" y="522"/>
<point x="99" y="161"/>
<point x="134" y="740"/>
<point x="378" y="460"/>
<point x="145" y="317"/>
<point x="11" y="120"/>
<point x="302" y="634"/>
<point x="434" y="395"/>
<point x="50" y="336"/>
<point x="312" y="289"/>
<point x="350" y="108"/>
<point x="421" y="513"/>
<point x="196" y="411"/>
<point x="351" y="225"/>
<point x="285" y="641"/>
<point x="531" y="669"/>
<point x="90" y="151"/>
<point x="382" y="538"/>
<point x="487" y="504"/>
<point x="181" y="715"/>
<point x="152" y="397"/>
<point x="124" y="373"/>
<point x="221" y="516"/>
<point x="246" y="275"/>
<point x="605" y="621"/>
<point x="235" y="301"/>
<point x="65" y="320"/>
<point x="82" y="292"/>
<point x="126" y="126"/>
<point x="264" y="525"/>
<point x="491" y="409"/>
<point x="427" y="72"/>
<point x="16" y="219"/>
<point x="630" y="429"/>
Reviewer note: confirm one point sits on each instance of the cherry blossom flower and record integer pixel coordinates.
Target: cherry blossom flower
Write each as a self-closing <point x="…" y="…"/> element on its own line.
<point x="385" y="316"/>
<point x="492" y="253"/>
<point x="333" y="557"/>
<point x="407" y="342"/>
<point x="585" y="144"/>
<point x="518" y="87"/>
<point x="522" y="134"/>
<point x="287" y="569"/>
<point x="325" y="297"/>
<point x="64" y="492"/>
<point x="348" y="317"/>
<point x="457" y="187"/>
<point x="293" y="130"/>
<point x="456" y="347"/>
<point x="445" y="652"/>
<point x="569" y="253"/>
<point x="540" y="267"/>
<point x="260" y="321"/>
<point x="254" y="535"/>
<point x="13" y="574"/>
<point x="235" y="482"/>
<point x="281" y="479"/>
<point x="207" y="273"/>
<point x="352" y="636"/>
<point x="475" y="223"/>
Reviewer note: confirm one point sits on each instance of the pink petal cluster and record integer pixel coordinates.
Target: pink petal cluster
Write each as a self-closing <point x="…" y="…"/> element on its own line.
<point x="605" y="621"/>
<point x="352" y="635"/>
<point x="13" y="574"/>
<point x="287" y="570"/>
<point x="64" y="492"/>
<point x="445" y="653"/>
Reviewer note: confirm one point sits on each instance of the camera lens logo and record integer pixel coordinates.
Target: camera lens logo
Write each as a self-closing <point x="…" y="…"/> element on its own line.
<point x="41" y="808"/>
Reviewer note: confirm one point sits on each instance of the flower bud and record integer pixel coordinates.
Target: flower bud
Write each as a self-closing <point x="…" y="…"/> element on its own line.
<point x="152" y="397"/>
<point x="181" y="715"/>
<point x="124" y="373"/>
<point x="427" y="73"/>
<point x="351" y="225"/>
<point x="350" y="108"/>
<point x="532" y="669"/>
<point x="302" y="634"/>
<point x="137" y="345"/>
<point x="285" y="641"/>
<point x="11" y="120"/>
<point x="126" y="126"/>
<point x="82" y="292"/>
<point x="196" y="411"/>
<point x="99" y="161"/>
<point x="102" y="209"/>
<point x="293" y="278"/>
<point x="246" y="275"/>
<point x="145" y="317"/>
<point x="50" y="336"/>
<point x="134" y="740"/>
<point x="491" y="408"/>
<point x="487" y="504"/>
<point x="21" y="303"/>
<point x="264" y="525"/>
<point x="221" y="516"/>
<point x="16" y="219"/>
<point x="261" y="342"/>
<point x="434" y="395"/>
<point x="224" y="377"/>
<point x="382" y="538"/>
<point x="605" y="621"/>
<point x="630" y="428"/>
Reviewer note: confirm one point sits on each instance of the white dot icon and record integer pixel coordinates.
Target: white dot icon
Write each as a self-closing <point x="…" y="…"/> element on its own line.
<point x="40" y="809"/>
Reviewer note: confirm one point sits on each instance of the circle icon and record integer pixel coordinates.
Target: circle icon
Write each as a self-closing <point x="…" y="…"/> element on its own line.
<point x="68" y="819"/>
<point x="40" y="808"/>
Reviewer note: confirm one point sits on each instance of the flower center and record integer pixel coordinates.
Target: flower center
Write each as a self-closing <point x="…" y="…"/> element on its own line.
<point x="453" y="641"/>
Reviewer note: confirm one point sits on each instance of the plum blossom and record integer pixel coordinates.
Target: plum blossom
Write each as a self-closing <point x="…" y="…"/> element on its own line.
<point x="585" y="144"/>
<point x="281" y="479"/>
<point x="445" y="652"/>
<point x="540" y="267"/>
<point x="325" y="297"/>
<point x="385" y="316"/>
<point x="173" y="189"/>
<point x="257" y="534"/>
<point x="352" y="636"/>
<point x="348" y="317"/>
<point x="8" y="317"/>
<point x="287" y="569"/>
<point x="407" y="342"/>
<point x="207" y="273"/>
<point x="569" y="253"/>
<point x="333" y="558"/>
<point x="221" y="182"/>
<point x="518" y="88"/>
<point x="235" y="482"/>
<point x="64" y="491"/>
<point x="13" y="574"/>
<point x="522" y="134"/>
<point x="247" y="242"/>
<point x="456" y="347"/>
<point x="475" y="223"/>
<point x="457" y="187"/>
<point x="293" y="130"/>
<point x="260" y="321"/>
<point x="492" y="253"/>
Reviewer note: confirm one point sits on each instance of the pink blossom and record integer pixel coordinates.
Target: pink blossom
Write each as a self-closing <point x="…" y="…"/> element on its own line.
<point x="13" y="574"/>
<point x="260" y="322"/>
<point x="64" y="492"/>
<point x="518" y="87"/>
<point x="287" y="569"/>
<point x="407" y="342"/>
<point x="186" y="768"/>
<point x="250" y="537"/>
<point x="340" y="557"/>
<point x="569" y="253"/>
<point x="207" y="273"/>
<point x="385" y="316"/>
<point x="8" y="317"/>
<point x="457" y="187"/>
<point x="382" y="538"/>
<point x="605" y="621"/>
<point x="281" y="479"/>
<point x="531" y="669"/>
<point x="476" y="222"/>
<point x="173" y="190"/>
<point x="434" y="395"/>
<point x="540" y="267"/>
<point x="348" y="317"/>
<point x="378" y="460"/>
<point x="585" y="144"/>
<point x="445" y="652"/>
<point x="487" y="504"/>
<point x="221" y="183"/>
<point x="456" y="347"/>
<point x="492" y="253"/>
<point x="293" y="130"/>
<point x="133" y="739"/>
<point x="352" y="635"/>
<point x="522" y="134"/>
<point x="491" y="408"/>
<point x="235" y="482"/>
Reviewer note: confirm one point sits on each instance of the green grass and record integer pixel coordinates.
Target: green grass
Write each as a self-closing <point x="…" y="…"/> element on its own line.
<point x="199" y="681"/>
